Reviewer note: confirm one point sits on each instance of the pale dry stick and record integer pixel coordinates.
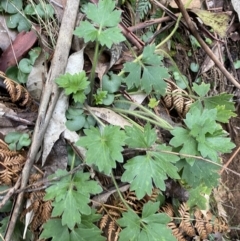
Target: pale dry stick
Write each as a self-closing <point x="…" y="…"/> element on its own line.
<point x="229" y="161"/>
<point x="49" y="99"/>
<point x="204" y="45"/>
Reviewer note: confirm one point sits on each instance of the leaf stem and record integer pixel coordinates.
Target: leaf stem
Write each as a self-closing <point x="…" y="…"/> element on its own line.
<point x="139" y="116"/>
<point x="73" y="161"/>
<point x="118" y="191"/>
<point x="160" y="122"/>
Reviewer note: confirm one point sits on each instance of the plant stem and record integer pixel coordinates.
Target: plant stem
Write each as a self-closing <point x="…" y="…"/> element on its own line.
<point x="167" y="126"/>
<point x="119" y="193"/>
<point x="160" y="122"/>
<point x="73" y="161"/>
<point x="92" y="74"/>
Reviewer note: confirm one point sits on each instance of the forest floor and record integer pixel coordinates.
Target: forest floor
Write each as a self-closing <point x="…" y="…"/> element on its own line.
<point x="104" y="132"/>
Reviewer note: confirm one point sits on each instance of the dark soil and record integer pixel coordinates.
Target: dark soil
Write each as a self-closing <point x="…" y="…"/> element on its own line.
<point x="232" y="184"/>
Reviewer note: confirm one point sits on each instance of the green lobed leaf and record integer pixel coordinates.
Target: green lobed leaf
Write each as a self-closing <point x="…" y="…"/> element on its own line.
<point x="75" y="119"/>
<point x="53" y="229"/>
<point x="110" y="36"/>
<point x="103" y="13"/>
<point x="105" y="29"/>
<point x="222" y="103"/>
<point x="131" y="221"/>
<point x="11" y="6"/>
<point x="100" y="96"/>
<point x="196" y="198"/>
<point x="157" y="165"/>
<point x="103" y="147"/>
<point x="44" y="10"/>
<point x="75" y="84"/>
<point x="140" y="139"/>
<point x="204" y="135"/>
<point x="111" y="83"/>
<point x="34" y="53"/>
<point x="223" y="114"/>
<point x="200" y="172"/>
<point x="71" y="197"/>
<point x="222" y="99"/>
<point x="109" y="99"/>
<point x="87" y="31"/>
<point x="89" y="220"/>
<point x="187" y="143"/>
<point x="25" y="65"/>
<point x="202" y="89"/>
<point x="153" y="102"/>
<point x="214" y="145"/>
<point x="151" y="226"/>
<point x="18" y="21"/>
<point x="152" y="78"/>
<point x="86" y="234"/>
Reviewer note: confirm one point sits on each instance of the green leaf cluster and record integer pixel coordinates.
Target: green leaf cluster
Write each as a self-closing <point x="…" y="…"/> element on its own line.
<point x="202" y="137"/>
<point x="20" y="73"/>
<point x="144" y="171"/>
<point x="199" y="173"/>
<point x="71" y="195"/>
<point x="222" y="103"/>
<point x="82" y="232"/>
<point x="16" y="19"/>
<point x="18" y="16"/>
<point x="104" y="27"/>
<point x="150" y="226"/>
<point x="43" y="10"/>
<point x="76" y="84"/>
<point x="104" y="147"/>
<point x="147" y="73"/>
<point x="77" y="119"/>
<point x="17" y="140"/>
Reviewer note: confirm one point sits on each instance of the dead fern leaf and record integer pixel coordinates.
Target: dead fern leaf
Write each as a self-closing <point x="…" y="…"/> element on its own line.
<point x="103" y="221"/>
<point x="177" y="98"/>
<point x="186" y="224"/>
<point x="10" y="86"/>
<point x="3" y="146"/>
<point x="17" y="92"/>
<point x="176" y="231"/>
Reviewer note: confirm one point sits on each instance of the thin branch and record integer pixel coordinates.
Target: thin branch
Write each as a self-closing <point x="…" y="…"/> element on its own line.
<point x="48" y="102"/>
<point x="204" y="45"/>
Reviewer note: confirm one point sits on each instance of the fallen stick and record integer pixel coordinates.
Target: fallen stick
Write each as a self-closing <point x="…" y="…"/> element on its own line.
<point x="204" y="45"/>
<point x="48" y="101"/>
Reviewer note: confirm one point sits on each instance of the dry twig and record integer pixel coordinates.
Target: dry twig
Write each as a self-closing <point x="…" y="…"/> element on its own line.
<point x="49" y="99"/>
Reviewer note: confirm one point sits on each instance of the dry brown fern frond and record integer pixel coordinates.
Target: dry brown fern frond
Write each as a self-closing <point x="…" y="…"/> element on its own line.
<point x="103" y="222"/>
<point x="18" y="93"/>
<point x="176" y="231"/>
<point x="186" y="224"/>
<point x="168" y="209"/>
<point x="220" y="225"/>
<point x="192" y="225"/>
<point x="6" y="177"/>
<point x="7" y="153"/>
<point x="3" y="146"/>
<point x="41" y="209"/>
<point x="111" y="214"/>
<point x="108" y="224"/>
<point x="177" y="98"/>
<point x="11" y="164"/>
<point x="200" y="226"/>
